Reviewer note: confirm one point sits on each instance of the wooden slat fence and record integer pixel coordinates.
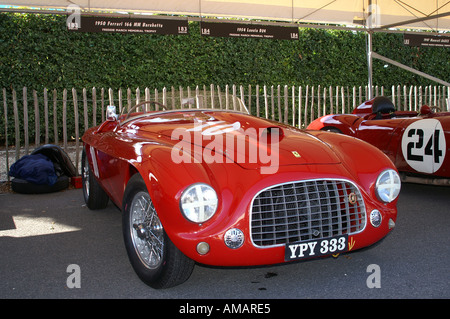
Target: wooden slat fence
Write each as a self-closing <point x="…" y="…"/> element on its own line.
<point x="64" y="116"/>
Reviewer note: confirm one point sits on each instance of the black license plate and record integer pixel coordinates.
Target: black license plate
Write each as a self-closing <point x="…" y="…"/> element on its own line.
<point x="316" y="248"/>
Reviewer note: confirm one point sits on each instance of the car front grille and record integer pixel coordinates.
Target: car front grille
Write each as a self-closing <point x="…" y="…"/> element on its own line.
<point x="306" y="210"/>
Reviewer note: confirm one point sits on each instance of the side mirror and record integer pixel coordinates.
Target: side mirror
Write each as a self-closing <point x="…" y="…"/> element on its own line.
<point x="111" y="114"/>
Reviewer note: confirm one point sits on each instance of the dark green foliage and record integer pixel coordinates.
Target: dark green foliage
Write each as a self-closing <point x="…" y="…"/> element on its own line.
<point x="37" y="51"/>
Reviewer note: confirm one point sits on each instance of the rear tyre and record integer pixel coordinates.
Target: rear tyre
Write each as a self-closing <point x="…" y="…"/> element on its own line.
<point x="154" y="257"/>
<point x="94" y="195"/>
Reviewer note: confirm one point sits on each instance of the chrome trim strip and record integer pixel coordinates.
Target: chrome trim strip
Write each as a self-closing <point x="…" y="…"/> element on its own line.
<point x="94" y="161"/>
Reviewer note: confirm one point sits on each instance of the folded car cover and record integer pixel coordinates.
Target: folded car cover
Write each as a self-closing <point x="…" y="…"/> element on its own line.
<point x="60" y="159"/>
<point x="34" y="168"/>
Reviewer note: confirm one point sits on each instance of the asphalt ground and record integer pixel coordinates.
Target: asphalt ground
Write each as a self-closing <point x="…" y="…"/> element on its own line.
<point x="53" y="247"/>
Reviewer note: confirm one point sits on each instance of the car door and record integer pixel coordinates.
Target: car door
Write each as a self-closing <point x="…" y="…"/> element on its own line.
<point x="380" y="133"/>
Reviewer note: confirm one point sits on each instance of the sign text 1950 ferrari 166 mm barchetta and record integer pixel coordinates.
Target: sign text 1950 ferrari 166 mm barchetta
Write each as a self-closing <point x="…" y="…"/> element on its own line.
<point x="416" y="142"/>
<point x="225" y="188"/>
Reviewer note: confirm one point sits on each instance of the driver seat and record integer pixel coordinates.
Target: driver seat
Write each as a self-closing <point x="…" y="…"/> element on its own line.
<point x="382" y="105"/>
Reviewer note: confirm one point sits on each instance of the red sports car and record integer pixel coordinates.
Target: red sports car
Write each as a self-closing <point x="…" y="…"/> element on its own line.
<point x="225" y="188"/>
<point x="416" y="142"/>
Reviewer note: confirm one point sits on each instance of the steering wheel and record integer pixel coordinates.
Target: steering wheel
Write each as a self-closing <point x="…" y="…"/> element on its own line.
<point x="134" y="107"/>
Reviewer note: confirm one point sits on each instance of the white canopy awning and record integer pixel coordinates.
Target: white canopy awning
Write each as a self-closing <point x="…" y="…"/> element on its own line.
<point x="412" y="14"/>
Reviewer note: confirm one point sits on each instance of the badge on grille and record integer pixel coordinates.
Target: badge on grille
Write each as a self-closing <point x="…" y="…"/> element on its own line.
<point x="352" y="198"/>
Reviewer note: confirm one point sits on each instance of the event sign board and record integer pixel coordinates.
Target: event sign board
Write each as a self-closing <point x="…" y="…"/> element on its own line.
<point x="129" y="25"/>
<point x="238" y="30"/>
<point x="416" y="40"/>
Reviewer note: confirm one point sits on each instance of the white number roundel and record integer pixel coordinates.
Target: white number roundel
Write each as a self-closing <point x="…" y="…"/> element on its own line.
<point x="423" y="145"/>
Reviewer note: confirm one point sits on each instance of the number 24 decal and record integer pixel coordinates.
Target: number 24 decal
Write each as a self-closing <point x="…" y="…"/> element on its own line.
<point x="431" y="148"/>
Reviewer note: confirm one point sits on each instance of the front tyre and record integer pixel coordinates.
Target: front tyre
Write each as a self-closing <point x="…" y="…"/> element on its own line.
<point x="94" y="195"/>
<point x="154" y="257"/>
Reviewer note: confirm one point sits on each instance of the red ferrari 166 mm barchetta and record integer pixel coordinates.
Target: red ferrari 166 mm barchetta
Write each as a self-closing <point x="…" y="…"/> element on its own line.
<point x="225" y="188"/>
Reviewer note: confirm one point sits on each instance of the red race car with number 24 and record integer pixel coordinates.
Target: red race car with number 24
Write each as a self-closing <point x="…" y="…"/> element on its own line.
<point x="225" y="188"/>
<point x="416" y="142"/>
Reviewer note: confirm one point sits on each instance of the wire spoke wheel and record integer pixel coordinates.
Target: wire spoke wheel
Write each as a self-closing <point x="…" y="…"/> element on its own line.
<point x="154" y="257"/>
<point x="146" y="231"/>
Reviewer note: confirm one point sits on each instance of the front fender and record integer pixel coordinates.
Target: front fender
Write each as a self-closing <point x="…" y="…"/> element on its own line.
<point x="166" y="180"/>
<point x="361" y="159"/>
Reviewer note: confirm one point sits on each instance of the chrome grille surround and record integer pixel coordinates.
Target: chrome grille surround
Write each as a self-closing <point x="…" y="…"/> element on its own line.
<point x="306" y="210"/>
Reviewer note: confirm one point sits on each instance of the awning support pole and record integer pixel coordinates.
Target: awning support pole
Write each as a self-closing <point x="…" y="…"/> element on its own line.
<point x="407" y="68"/>
<point x="370" y="63"/>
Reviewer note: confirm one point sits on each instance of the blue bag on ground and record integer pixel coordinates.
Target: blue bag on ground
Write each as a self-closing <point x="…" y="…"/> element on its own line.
<point x="35" y="168"/>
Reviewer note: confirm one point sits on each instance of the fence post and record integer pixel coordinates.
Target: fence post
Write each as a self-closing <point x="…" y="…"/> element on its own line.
<point x="280" y="117"/>
<point x="311" y="115"/>
<point x="94" y="106"/>
<point x="211" y="88"/>
<point x="25" y="119"/>
<point x="266" y="103"/>
<point x="257" y="100"/>
<point x="138" y="97"/>
<point x="16" y="124"/>
<point x="249" y="106"/>
<point x="306" y="105"/>
<point x="128" y="99"/>
<point x="55" y="117"/>
<point x="181" y="93"/>
<point x="46" y="115"/>
<point x="197" y="101"/>
<point x="319" y="102"/>
<point x="173" y="97"/>
<point x="65" y="119"/>
<point x="293" y="105"/>
<point x="77" y="142"/>
<point x="85" y="110"/>
<point x="219" y="96"/>
<point x="300" y="107"/>
<point x="241" y="88"/>
<point x="102" y="96"/>
<point x="331" y="99"/>
<point x="156" y="99"/>
<point x="286" y="104"/>
<point x="420" y="96"/>
<point x="164" y="96"/>
<point x="37" y="124"/>
<point x="234" y="95"/>
<point x="120" y="104"/>
<point x="415" y="97"/>
<point x="5" y="109"/>
<point x="448" y="98"/>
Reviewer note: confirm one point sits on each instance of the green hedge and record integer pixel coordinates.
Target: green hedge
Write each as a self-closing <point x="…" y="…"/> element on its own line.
<point x="37" y="51"/>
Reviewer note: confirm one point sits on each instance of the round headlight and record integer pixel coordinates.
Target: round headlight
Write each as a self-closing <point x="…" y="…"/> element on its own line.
<point x="388" y="186"/>
<point x="198" y="203"/>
